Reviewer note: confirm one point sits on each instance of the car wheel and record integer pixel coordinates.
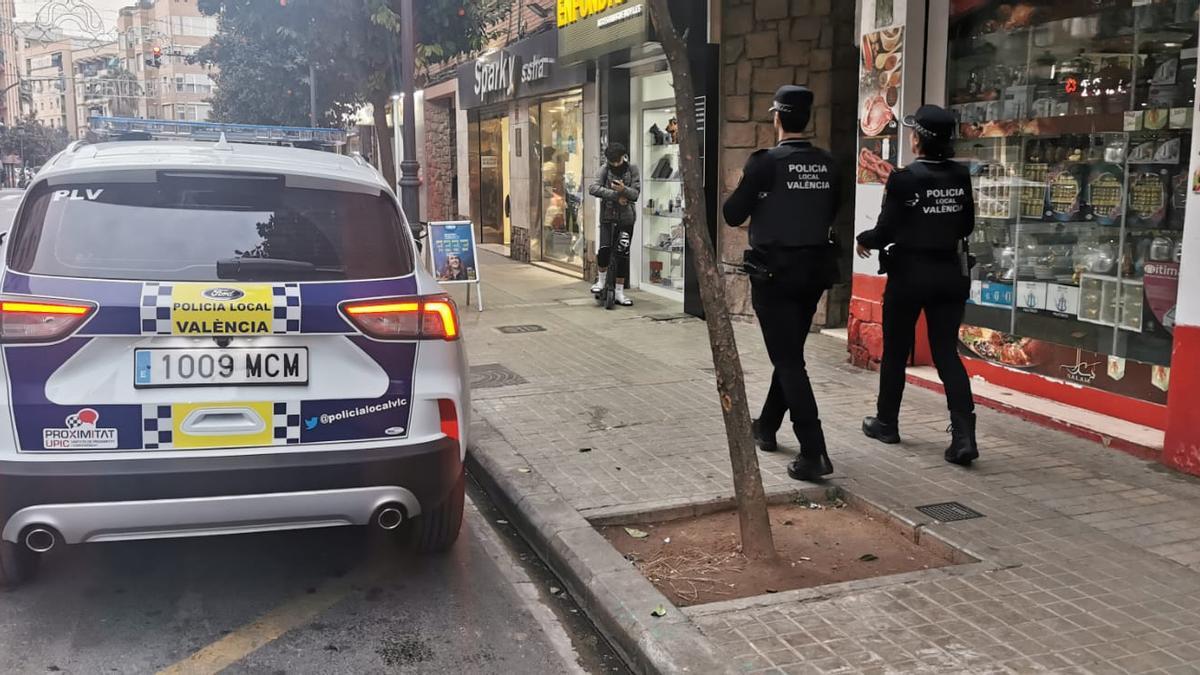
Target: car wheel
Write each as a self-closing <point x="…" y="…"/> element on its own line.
<point x="17" y="564"/>
<point x="437" y="529"/>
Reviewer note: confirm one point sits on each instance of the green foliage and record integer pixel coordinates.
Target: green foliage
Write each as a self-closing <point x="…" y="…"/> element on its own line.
<point x="32" y="140"/>
<point x="263" y="51"/>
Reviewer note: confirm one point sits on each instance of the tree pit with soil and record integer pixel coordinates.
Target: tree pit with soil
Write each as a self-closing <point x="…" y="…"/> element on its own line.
<point x="697" y="560"/>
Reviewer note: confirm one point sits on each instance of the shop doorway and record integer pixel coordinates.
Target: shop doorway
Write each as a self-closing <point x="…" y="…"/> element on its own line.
<point x="494" y="210"/>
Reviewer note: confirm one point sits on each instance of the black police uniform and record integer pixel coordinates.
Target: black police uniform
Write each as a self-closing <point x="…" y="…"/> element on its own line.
<point x="790" y="193"/>
<point x="928" y="210"/>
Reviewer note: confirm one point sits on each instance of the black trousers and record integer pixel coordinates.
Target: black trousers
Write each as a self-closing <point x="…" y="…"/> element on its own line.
<point x="785" y="306"/>
<point x="943" y="305"/>
<point x="618" y="237"/>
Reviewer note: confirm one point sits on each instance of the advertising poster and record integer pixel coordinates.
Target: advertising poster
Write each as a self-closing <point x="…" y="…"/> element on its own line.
<point x="880" y="75"/>
<point x="1063" y="362"/>
<point x="452" y="248"/>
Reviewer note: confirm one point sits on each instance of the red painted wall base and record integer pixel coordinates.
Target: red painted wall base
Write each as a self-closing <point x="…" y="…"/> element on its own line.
<point x="1182" y="446"/>
<point x="1180" y="418"/>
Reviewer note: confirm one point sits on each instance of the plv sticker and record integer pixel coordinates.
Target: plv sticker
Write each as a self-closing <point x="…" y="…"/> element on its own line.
<point x="211" y="309"/>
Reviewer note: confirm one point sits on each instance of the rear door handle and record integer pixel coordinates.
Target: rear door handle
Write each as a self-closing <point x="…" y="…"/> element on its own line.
<point x="222" y="422"/>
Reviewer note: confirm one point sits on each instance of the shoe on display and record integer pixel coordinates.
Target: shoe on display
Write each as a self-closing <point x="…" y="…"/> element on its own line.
<point x="881" y="431"/>
<point x="763" y="439"/>
<point x="656" y="135"/>
<point x="664" y="165"/>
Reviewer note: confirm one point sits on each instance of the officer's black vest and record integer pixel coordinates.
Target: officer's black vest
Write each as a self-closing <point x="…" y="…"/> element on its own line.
<point x="938" y="207"/>
<point x="798" y="210"/>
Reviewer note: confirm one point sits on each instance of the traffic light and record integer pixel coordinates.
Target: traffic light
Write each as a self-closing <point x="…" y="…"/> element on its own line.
<point x="155" y="60"/>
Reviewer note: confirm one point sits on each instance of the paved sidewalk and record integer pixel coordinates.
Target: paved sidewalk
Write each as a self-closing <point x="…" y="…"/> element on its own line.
<point x="1092" y="558"/>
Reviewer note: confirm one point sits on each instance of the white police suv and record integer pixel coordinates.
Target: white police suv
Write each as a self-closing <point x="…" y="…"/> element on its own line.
<point x="217" y="338"/>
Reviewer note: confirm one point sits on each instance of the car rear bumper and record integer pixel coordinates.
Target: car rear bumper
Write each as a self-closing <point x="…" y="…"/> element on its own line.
<point x="150" y="498"/>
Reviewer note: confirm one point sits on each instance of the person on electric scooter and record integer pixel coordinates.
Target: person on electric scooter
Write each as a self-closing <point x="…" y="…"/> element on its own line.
<point x="617" y="186"/>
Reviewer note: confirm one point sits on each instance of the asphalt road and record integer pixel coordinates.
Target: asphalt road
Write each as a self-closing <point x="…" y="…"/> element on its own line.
<point x="320" y="601"/>
<point x="9" y="199"/>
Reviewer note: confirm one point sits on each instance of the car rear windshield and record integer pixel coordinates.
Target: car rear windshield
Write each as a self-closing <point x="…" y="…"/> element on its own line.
<point x="200" y="226"/>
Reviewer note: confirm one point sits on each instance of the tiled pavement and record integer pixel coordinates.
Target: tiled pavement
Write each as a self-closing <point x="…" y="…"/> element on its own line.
<point x="1091" y="558"/>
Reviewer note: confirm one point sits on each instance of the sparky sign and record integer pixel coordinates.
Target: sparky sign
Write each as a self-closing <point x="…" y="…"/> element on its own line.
<point x="496" y="76"/>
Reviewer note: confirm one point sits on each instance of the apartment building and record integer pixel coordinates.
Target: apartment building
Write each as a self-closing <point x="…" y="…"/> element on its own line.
<point x="10" y="68"/>
<point x="174" y="89"/>
<point x="48" y="74"/>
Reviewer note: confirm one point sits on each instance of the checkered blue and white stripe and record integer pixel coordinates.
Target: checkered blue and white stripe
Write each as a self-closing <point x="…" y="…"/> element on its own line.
<point x="286" y="422"/>
<point x="157" y="427"/>
<point x="287" y="308"/>
<point x="156" y="308"/>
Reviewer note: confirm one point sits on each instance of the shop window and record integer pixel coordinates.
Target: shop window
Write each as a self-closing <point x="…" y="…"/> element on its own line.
<point x="1076" y="118"/>
<point x="560" y="132"/>
<point x="662" y="188"/>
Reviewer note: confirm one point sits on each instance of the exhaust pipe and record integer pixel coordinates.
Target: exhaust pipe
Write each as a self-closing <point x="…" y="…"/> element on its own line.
<point x="389" y="516"/>
<point x="40" y="539"/>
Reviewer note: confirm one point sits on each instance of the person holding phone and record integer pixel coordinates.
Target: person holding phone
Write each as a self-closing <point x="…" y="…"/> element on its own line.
<point x="617" y="186"/>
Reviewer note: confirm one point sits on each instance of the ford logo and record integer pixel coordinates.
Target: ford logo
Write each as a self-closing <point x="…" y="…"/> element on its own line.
<point x="223" y="294"/>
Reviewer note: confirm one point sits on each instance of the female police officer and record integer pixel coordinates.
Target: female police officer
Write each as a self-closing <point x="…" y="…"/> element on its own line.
<point x="928" y="210"/>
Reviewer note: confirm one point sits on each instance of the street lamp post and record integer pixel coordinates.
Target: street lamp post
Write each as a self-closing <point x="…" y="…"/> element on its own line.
<point x="410" y="196"/>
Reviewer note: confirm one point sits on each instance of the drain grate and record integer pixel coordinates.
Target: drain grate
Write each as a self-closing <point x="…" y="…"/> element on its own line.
<point x="948" y="512"/>
<point x="522" y="328"/>
<point x="492" y="376"/>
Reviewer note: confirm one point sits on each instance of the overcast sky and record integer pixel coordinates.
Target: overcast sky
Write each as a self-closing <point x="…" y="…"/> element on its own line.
<point x="27" y="9"/>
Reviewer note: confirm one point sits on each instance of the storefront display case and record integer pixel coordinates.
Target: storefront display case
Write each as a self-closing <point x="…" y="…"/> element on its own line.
<point x="1076" y="120"/>
<point x="662" y="202"/>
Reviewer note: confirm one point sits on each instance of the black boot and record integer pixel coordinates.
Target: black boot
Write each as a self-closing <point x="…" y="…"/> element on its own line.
<point x="765" y="440"/>
<point x="963" y="449"/>
<point x="881" y="431"/>
<point x="813" y="462"/>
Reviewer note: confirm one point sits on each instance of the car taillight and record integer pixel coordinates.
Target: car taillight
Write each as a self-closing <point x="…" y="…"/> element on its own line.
<point x="38" y="320"/>
<point x="428" y="318"/>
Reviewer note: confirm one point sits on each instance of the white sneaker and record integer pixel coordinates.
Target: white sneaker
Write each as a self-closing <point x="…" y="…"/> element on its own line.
<point x="599" y="285"/>
<point x="621" y="299"/>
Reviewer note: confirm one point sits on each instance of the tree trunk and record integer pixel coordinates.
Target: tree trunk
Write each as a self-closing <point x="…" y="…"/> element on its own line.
<point x="757" y="541"/>
<point x="383" y="136"/>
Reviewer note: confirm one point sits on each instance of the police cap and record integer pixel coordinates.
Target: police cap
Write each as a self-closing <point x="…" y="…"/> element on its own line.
<point x="931" y="121"/>
<point x="793" y="98"/>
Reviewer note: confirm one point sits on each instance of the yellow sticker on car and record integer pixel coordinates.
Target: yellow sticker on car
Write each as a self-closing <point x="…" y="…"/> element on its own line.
<point x="194" y="426"/>
<point x="214" y="309"/>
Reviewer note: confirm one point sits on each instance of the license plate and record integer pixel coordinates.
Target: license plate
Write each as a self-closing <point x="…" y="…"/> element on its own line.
<point x="201" y="367"/>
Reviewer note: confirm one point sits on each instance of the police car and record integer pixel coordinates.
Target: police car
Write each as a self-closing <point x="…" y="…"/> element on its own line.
<point x="206" y="338"/>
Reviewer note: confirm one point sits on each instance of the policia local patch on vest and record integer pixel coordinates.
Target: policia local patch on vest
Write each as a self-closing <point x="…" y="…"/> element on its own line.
<point x="807" y="177"/>
<point x="941" y="200"/>
<point x="212" y="309"/>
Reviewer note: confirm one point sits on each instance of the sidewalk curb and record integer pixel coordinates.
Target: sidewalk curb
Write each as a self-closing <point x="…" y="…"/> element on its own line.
<point x="614" y="595"/>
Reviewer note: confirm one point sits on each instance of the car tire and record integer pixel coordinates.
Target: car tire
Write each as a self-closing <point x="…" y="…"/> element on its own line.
<point x="436" y="530"/>
<point x="17" y="564"/>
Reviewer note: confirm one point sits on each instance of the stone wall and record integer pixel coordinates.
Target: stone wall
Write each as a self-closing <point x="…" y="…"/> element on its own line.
<point x="767" y="44"/>
<point x="439" y="165"/>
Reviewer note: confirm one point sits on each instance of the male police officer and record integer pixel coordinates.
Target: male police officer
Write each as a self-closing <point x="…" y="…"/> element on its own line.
<point x="928" y="210"/>
<point x="790" y="193"/>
